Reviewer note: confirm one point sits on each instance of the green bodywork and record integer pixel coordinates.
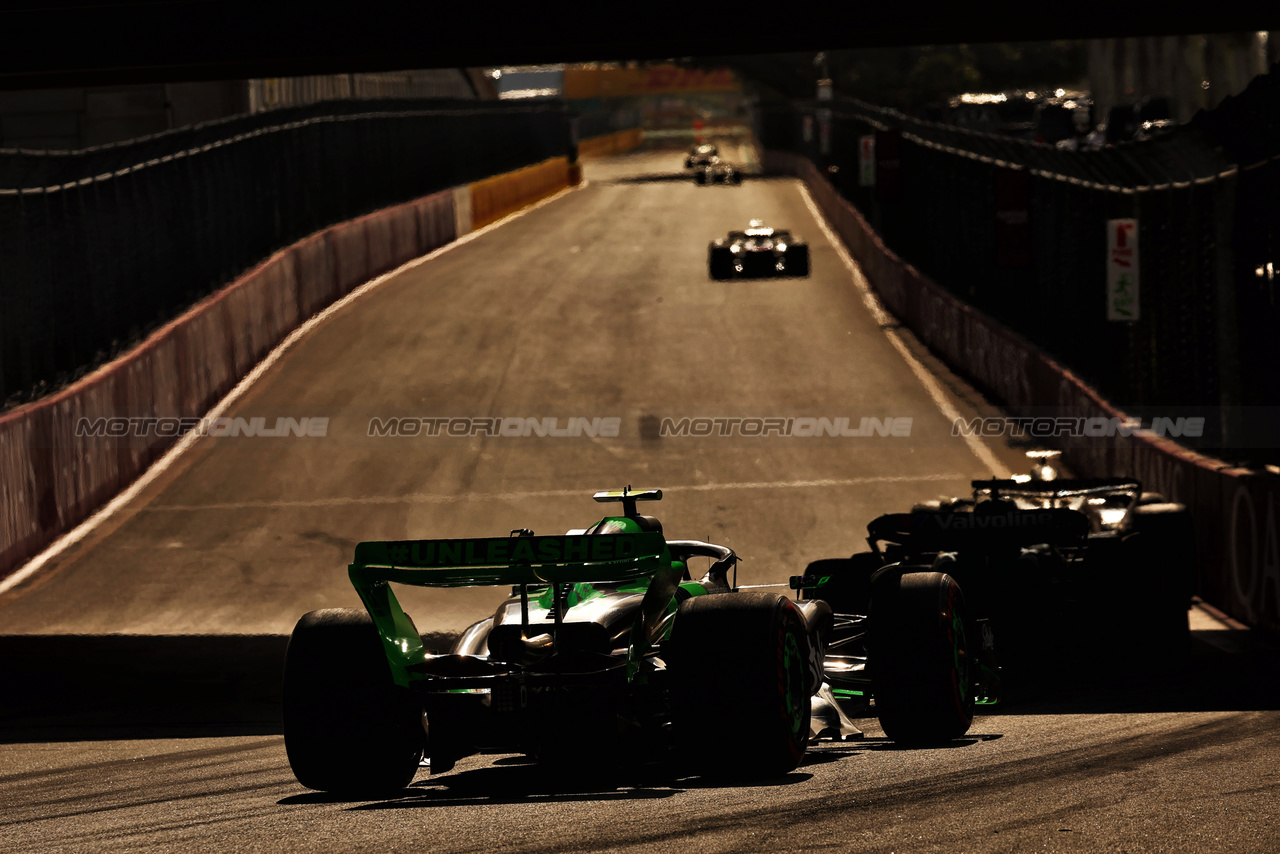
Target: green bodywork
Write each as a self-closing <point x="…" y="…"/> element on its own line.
<point x="627" y="559"/>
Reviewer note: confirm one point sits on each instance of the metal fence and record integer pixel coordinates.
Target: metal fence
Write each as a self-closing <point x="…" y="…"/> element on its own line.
<point x="1019" y="230"/>
<point x="101" y="245"/>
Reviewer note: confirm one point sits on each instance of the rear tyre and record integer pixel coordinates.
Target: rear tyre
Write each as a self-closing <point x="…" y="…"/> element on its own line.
<point x="1162" y="562"/>
<point x="348" y="728"/>
<point x="739" y="684"/>
<point x="919" y="657"/>
<point x="798" y="260"/>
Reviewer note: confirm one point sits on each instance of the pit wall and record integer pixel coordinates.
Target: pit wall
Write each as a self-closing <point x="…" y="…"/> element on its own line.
<point x="1235" y="510"/>
<point x="619" y="142"/>
<point x="52" y="479"/>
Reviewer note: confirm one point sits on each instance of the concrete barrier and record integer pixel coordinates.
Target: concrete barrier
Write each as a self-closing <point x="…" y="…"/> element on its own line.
<point x="1235" y="511"/>
<point x="65" y="456"/>
<point x="618" y="142"/>
<point x="22" y="464"/>
<point x="496" y="197"/>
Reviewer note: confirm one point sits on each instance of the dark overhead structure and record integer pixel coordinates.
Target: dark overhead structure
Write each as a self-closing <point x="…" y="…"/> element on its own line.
<point x="98" y="42"/>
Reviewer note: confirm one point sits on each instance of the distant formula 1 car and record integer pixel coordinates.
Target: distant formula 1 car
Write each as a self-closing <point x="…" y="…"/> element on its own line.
<point x="758" y="251"/>
<point x="717" y="171"/>
<point x="606" y="652"/>
<point x="701" y="154"/>
<point x="1093" y="569"/>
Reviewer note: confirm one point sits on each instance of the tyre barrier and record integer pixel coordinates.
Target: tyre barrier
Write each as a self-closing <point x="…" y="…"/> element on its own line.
<point x="59" y="463"/>
<point x="1235" y="510"/>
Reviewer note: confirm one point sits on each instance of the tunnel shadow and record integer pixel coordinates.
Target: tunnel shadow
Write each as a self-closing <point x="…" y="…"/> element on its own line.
<point x="102" y="687"/>
<point x="676" y="178"/>
<point x="1228" y="670"/>
<point x="530" y="783"/>
<point x="520" y="781"/>
<point x="91" y="687"/>
<point x="687" y="178"/>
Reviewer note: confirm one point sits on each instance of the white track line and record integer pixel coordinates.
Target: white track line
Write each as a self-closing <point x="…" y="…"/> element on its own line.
<point x="161" y="465"/>
<point x="438" y="498"/>
<point x="884" y="319"/>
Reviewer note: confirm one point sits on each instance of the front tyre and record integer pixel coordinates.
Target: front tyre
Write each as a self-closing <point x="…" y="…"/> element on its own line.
<point x="798" y="260"/>
<point x="720" y="263"/>
<point x="919" y="656"/>
<point x="740" y="684"/>
<point x="348" y="728"/>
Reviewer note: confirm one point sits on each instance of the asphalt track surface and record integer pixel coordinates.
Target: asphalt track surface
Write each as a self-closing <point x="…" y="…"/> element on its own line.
<point x="141" y="666"/>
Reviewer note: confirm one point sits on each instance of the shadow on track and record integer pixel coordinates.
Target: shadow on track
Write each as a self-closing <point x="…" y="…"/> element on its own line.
<point x="687" y="178"/>
<point x="1225" y="671"/>
<point x="518" y="780"/>
<point x="102" y="687"/>
<point x="504" y="783"/>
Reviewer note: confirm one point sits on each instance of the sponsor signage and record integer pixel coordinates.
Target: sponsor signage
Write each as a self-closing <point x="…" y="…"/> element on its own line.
<point x="888" y="161"/>
<point x="867" y="161"/>
<point x="1122" y="269"/>
<point x="1014" y="239"/>
<point x="508" y="551"/>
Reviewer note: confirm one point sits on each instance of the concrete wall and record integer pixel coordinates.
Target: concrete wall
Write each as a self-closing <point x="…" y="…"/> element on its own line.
<point x="53" y="475"/>
<point x="611" y="143"/>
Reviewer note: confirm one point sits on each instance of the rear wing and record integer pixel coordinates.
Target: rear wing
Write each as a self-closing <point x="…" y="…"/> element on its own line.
<point x="496" y="561"/>
<point x="941" y="530"/>
<point x="1064" y="488"/>
<point x="521" y="560"/>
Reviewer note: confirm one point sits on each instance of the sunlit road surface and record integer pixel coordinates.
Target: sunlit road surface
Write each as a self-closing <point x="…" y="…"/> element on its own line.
<point x="597" y="305"/>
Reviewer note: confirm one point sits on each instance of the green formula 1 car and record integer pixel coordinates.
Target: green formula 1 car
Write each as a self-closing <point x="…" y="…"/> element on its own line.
<point x="608" y="651"/>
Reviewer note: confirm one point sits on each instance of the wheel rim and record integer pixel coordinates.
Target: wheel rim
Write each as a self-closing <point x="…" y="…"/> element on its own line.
<point x="793" y="677"/>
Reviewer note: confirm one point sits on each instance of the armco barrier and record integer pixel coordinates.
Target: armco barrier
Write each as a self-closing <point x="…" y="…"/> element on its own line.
<point x="618" y="142"/>
<point x="1235" y="511"/>
<point x="54" y="474"/>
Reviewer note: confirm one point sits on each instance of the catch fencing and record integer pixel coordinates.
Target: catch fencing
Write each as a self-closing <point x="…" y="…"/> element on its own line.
<point x="101" y="246"/>
<point x="1020" y="231"/>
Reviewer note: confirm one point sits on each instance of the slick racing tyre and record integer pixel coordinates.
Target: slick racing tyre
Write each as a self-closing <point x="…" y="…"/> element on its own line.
<point x="347" y="727"/>
<point x="739" y="684"/>
<point x="1160" y="560"/>
<point x="720" y="263"/>
<point x="798" y="260"/>
<point x="920" y="658"/>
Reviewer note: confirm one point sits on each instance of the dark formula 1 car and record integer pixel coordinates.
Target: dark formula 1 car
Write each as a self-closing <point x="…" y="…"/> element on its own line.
<point x="717" y="171"/>
<point x="758" y="251"/>
<point x="700" y="155"/>
<point x="1091" y="570"/>
<point x="606" y="652"/>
